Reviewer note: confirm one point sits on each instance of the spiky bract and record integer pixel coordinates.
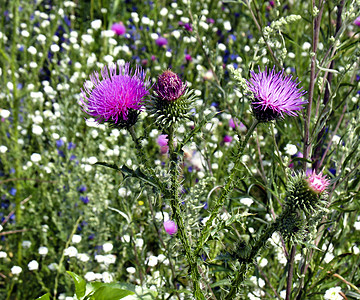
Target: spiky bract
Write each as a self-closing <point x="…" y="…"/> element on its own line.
<point x="291" y="226"/>
<point x="167" y="113"/>
<point x="301" y="196"/>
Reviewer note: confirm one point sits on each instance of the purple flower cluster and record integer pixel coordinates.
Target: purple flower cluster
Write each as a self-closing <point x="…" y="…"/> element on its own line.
<point x="274" y="95"/>
<point x="118" y="97"/>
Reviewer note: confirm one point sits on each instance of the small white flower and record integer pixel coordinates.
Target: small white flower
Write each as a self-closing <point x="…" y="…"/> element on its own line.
<point x="53" y="267"/>
<point x="357" y="225"/>
<point x="290" y="149"/>
<point x="43" y="250"/>
<point x="4" y="113"/>
<point x="76" y="239"/>
<point x="16" y="270"/>
<point x="90" y="276"/>
<point x="125" y="238"/>
<point x="83" y="257"/>
<point x="107" y="277"/>
<point x="26" y="244"/>
<point x="35" y="157"/>
<point x="164" y="11"/>
<point x="96" y="24"/>
<point x="3" y="149"/>
<point x="153" y="260"/>
<point x="122" y="192"/>
<point x="71" y="251"/>
<point x="107" y="247"/>
<point x="227" y="25"/>
<point x="92" y="160"/>
<point x="36" y="129"/>
<point x="333" y="294"/>
<point x="3" y="254"/>
<point x="247" y="201"/>
<point x="328" y="257"/>
<point x="54" y="48"/>
<point x="139" y="243"/>
<point x="131" y="270"/>
<point x="33" y="265"/>
<point x="32" y="50"/>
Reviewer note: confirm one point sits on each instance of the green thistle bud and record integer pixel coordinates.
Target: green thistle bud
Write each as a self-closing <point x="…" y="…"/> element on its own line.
<point x="171" y="100"/>
<point x="291" y="226"/>
<point x="307" y="193"/>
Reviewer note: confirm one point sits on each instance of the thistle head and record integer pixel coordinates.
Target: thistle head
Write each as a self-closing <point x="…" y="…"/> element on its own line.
<point x="171" y="100"/>
<point x="274" y="95"/>
<point x="317" y="182"/>
<point x="307" y="193"/>
<point x="169" y="86"/>
<point x="117" y="97"/>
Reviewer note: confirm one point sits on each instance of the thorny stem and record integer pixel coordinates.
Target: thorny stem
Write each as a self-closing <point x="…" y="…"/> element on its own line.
<point x="205" y="233"/>
<point x="165" y="247"/>
<point x="240" y="276"/>
<point x="177" y="217"/>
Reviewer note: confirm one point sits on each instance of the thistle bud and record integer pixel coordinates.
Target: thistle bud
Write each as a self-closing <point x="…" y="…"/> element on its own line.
<point x="169" y="86"/>
<point x="307" y="193"/>
<point x="291" y="226"/>
<point x="171" y="100"/>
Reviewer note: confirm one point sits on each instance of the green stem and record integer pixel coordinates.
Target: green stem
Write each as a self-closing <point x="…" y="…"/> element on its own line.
<point x="177" y="217"/>
<point x="240" y="276"/>
<point x="205" y="233"/>
<point x="144" y="161"/>
<point x="63" y="255"/>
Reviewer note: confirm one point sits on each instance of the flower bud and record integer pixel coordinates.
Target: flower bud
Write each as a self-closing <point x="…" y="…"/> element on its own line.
<point x="171" y="100"/>
<point x="307" y="193"/>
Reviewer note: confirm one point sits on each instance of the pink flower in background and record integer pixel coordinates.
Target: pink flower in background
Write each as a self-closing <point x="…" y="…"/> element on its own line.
<point x="227" y="139"/>
<point x="233" y="123"/>
<point x="318" y="182"/>
<point x="357" y="21"/>
<point x="188" y="57"/>
<point x="162" y="140"/>
<point x="118" y="28"/>
<point x="161" y="41"/>
<point x="170" y="227"/>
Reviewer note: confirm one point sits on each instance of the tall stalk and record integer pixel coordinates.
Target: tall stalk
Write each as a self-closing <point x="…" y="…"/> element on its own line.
<point x="205" y="233"/>
<point x="177" y="216"/>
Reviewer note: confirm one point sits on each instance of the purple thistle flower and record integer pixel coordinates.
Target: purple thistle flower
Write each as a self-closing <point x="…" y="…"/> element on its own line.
<point x="118" y="97"/>
<point x="274" y="95"/>
<point x="169" y="86"/>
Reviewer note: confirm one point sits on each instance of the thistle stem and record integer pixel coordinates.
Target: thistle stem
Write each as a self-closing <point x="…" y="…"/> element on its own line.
<point x="240" y="276"/>
<point x="205" y="233"/>
<point x="177" y="217"/>
<point x="290" y="272"/>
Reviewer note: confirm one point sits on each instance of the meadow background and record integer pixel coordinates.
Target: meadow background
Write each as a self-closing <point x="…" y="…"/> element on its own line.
<point x="61" y="212"/>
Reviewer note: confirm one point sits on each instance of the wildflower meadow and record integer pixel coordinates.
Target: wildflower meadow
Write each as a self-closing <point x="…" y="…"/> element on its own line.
<point x="179" y="149"/>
